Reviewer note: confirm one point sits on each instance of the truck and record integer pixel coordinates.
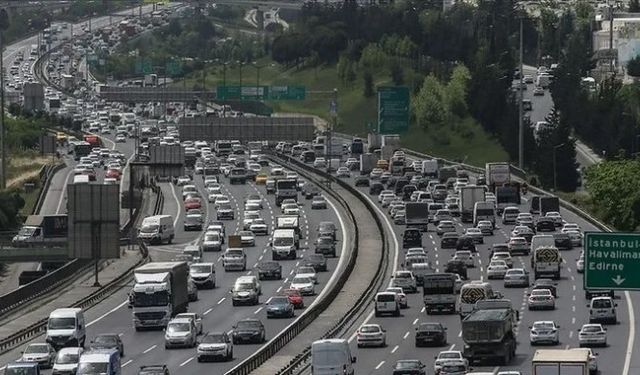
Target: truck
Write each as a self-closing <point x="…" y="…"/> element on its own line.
<point x="42" y="230"/>
<point x="159" y="293"/>
<point x="546" y="261"/>
<point x="417" y="215"/>
<point x="289" y="222"/>
<point x="357" y="147"/>
<point x="549" y="204"/>
<point x="374" y="141"/>
<point x="469" y="196"/>
<point x="367" y="163"/>
<point x="430" y="168"/>
<point x="560" y="362"/>
<point x="489" y="333"/>
<point x="507" y="195"/>
<point x="285" y="244"/>
<point x="439" y="292"/>
<point x="286" y="189"/>
<point x="93" y="140"/>
<point x="497" y="174"/>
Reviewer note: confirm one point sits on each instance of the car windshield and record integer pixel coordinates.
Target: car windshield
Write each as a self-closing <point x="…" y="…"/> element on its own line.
<point x="279" y="301"/>
<point x="369" y="329"/>
<point x="247" y="324"/>
<point x="545" y="325"/>
<point x="212" y="237"/>
<point x="93" y="368"/>
<point x="62" y="323"/>
<point x="591" y="329"/>
<point x="213" y="339"/>
<point x="404" y="365"/>
<point x="149" y="228"/>
<point x="36" y="348"/>
<point x="601" y="304"/>
<point x="67" y="358"/>
<point x="283" y="241"/>
<point x="200" y="269"/>
<point x="449" y="356"/>
<point x="105" y="340"/>
<point x="430" y="327"/>
<point x="178" y="327"/>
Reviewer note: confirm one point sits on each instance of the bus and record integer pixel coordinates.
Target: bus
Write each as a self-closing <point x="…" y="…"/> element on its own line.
<point x="80" y="149"/>
<point x="439" y="292"/>
<point x="473" y="292"/>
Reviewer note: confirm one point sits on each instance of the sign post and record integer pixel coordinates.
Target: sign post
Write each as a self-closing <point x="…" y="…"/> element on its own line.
<point x="611" y="261"/>
<point x="393" y="109"/>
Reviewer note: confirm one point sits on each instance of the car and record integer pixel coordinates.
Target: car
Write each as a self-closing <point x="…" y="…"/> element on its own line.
<point x="431" y="334"/>
<point x="183" y="180"/>
<point x="541" y="299"/>
<point x="317" y="261"/>
<point x="450" y="357"/>
<point x="417" y="251"/>
<point x="475" y="234"/>
<point x="466" y="243"/>
<point x="497" y="269"/>
<point x="519" y="245"/>
<point x="195" y="317"/>
<point x="41" y="353"/>
<point x="247" y="238"/>
<point x="305" y="285"/>
<point x="375" y="188"/>
<point x="544" y="332"/>
<point x="516" y="277"/>
<point x="192" y="222"/>
<point x="523" y="231"/>
<point x="290" y="209"/>
<point x="318" y="203"/>
<point x="449" y="240"/>
<point x="569" y="227"/>
<point x="409" y="367"/>
<point x="465" y="257"/>
<point x="545" y="224"/>
<point x="485" y="227"/>
<point x="295" y="297"/>
<point x="575" y="237"/>
<point x="269" y="270"/>
<point x="261" y="179"/>
<point x="538" y="91"/>
<point x="343" y="172"/>
<point x="215" y="345"/>
<point x="402" y="297"/>
<point x="193" y="202"/>
<point x="400" y="218"/>
<point x="66" y="361"/>
<point x="592" y="335"/>
<point x="371" y="335"/>
<point x="108" y="341"/>
<point x="546" y="284"/>
<point x="180" y="333"/>
<point x="327" y="228"/>
<point x="120" y="138"/>
<point x="280" y="306"/>
<point x="556" y="217"/>
<point x="503" y="256"/>
<point x="326" y="246"/>
<point x="445" y="226"/>
<point x="307" y="271"/>
<point x="252" y="206"/>
<point x="404" y="280"/>
<point x="249" y="331"/>
<point x="259" y="227"/>
<point x="602" y="309"/>
<point x="562" y="241"/>
<point x="361" y="181"/>
<point x="580" y="264"/>
<point x="249" y="217"/>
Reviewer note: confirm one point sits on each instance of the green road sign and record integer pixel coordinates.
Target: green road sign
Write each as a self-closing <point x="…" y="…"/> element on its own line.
<point x="242" y="93"/>
<point x="174" y="68"/>
<point x="393" y="109"/>
<point x="143" y="66"/>
<point x="611" y="261"/>
<point x="287" y="93"/>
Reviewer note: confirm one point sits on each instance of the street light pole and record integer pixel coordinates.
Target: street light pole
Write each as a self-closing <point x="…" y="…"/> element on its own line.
<point x="520" y="105"/>
<point x="555" y="173"/>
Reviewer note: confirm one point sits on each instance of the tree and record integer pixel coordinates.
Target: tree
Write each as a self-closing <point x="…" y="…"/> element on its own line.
<point x="633" y="66"/>
<point x="429" y="104"/>
<point x="368" y="84"/>
<point x="457" y="90"/>
<point x="634" y="6"/>
<point x="396" y="73"/>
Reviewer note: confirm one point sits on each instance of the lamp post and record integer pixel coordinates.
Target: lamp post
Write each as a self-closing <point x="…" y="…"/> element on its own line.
<point x="258" y="67"/>
<point x="4" y="24"/>
<point x="555" y="174"/>
<point x="240" y="64"/>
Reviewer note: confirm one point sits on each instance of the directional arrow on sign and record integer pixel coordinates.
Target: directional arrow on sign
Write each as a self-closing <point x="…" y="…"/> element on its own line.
<point x="618" y="280"/>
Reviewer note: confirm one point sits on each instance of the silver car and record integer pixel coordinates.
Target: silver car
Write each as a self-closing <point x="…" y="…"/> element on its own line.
<point x="42" y="353"/>
<point x="516" y="277"/>
<point x="541" y="299"/>
<point x="180" y="332"/>
<point x="592" y="335"/>
<point x="215" y="345"/>
<point x="544" y="332"/>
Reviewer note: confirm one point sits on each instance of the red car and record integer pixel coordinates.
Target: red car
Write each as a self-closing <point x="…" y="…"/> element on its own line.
<point x="113" y="173"/>
<point x="190" y="203"/>
<point x="295" y="298"/>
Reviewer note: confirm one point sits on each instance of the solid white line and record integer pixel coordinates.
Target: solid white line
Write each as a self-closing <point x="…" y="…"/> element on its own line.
<point x="150" y="349"/>
<point x="187" y="361"/>
<point x="106" y="314"/>
<point x="64" y="189"/>
<point x="175" y="197"/>
<point x="632" y="334"/>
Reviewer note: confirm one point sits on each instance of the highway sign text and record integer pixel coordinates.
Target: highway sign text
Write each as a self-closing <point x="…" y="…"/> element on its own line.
<point x="611" y="259"/>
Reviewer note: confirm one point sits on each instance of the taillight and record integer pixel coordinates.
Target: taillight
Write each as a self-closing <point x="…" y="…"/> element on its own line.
<point x="344" y="369"/>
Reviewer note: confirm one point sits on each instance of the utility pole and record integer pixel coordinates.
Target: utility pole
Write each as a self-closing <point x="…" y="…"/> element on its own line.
<point x="4" y="24"/>
<point x="333" y="108"/>
<point x="520" y="105"/>
<point x="610" y="36"/>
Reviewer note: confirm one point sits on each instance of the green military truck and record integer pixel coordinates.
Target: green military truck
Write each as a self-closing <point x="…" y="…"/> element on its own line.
<point x="488" y="332"/>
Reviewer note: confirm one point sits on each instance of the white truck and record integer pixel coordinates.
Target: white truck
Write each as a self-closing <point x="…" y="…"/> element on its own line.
<point x="469" y="196"/>
<point x="430" y="168"/>
<point x="546" y="261"/>
<point x="367" y="163"/>
<point x="497" y="174"/>
<point x="159" y="293"/>
<point x="285" y="244"/>
<point x="560" y="362"/>
<point x="42" y="230"/>
<point x="289" y="222"/>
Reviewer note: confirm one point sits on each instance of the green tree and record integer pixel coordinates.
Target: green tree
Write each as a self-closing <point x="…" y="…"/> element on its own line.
<point x="368" y="84"/>
<point x="633" y="66"/>
<point x="10" y="204"/>
<point x="634" y="6"/>
<point x="429" y="104"/>
<point x="396" y="73"/>
<point x="457" y="90"/>
<point x="373" y="57"/>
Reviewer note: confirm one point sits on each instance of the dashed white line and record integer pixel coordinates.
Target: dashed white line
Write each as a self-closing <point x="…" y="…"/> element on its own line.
<point x="222" y="300"/>
<point x="379" y="365"/>
<point x="257" y="311"/>
<point x="415" y="321"/>
<point x="406" y="335"/>
<point x="127" y="362"/>
<point x="452" y="346"/>
<point x="187" y="361"/>
<point x="395" y="349"/>
<point x="150" y="349"/>
<point x="278" y="290"/>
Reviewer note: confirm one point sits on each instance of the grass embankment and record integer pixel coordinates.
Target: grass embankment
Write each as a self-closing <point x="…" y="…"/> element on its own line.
<point x="25" y="167"/>
<point x="465" y="140"/>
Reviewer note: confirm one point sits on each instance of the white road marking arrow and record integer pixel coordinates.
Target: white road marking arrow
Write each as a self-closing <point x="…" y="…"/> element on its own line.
<point x="618" y="280"/>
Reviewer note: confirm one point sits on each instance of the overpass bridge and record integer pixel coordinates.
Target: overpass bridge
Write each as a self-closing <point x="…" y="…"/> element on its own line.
<point x="152" y="94"/>
<point x="34" y="254"/>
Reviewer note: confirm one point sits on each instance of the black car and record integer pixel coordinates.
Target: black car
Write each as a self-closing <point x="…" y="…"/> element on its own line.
<point x="431" y="334"/>
<point x="499" y="248"/>
<point x="400" y="184"/>
<point x="546" y="284"/>
<point x="411" y="238"/>
<point x="192" y="223"/>
<point x="269" y="270"/>
<point x="375" y="188"/>
<point x="562" y="241"/>
<point x="456" y="266"/>
<point x="362" y="181"/>
<point x="409" y="367"/>
<point x="449" y="240"/>
<point x="108" y="341"/>
<point x="154" y="370"/>
<point x="466" y="243"/>
<point x="327" y="228"/>
<point x="317" y="261"/>
<point x="545" y="224"/>
<point x="310" y="191"/>
<point x="326" y="246"/>
<point x="250" y="331"/>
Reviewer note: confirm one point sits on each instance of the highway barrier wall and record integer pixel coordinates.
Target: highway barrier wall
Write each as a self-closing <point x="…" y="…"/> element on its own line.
<point x="247" y="129"/>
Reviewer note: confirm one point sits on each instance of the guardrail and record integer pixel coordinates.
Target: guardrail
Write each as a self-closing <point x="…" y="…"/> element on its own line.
<point x="94" y="298"/>
<point x="49" y="172"/>
<point x="280" y="340"/>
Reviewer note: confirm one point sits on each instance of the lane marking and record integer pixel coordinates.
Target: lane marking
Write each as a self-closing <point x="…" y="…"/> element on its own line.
<point x="106" y="314"/>
<point x="379" y="365"/>
<point x="406" y="335"/>
<point x="222" y="300"/>
<point x="632" y="334"/>
<point x="175" y="197"/>
<point x="452" y="346"/>
<point x="150" y="349"/>
<point x="257" y="311"/>
<point x="187" y="361"/>
<point x="415" y="321"/>
<point x="64" y="189"/>
<point x="395" y="349"/>
<point x="208" y="311"/>
<point x="127" y="362"/>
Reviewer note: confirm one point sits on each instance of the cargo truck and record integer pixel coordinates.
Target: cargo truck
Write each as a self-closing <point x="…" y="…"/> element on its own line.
<point x="488" y="334"/>
<point x="159" y="293"/>
<point x="417" y="215"/>
<point x="367" y="163"/>
<point x="469" y="196"/>
<point x="546" y="262"/>
<point x="560" y="362"/>
<point x="430" y="168"/>
<point x="42" y="230"/>
<point x="285" y="189"/>
<point x="507" y="195"/>
<point x="357" y="147"/>
<point x="439" y="292"/>
<point x="289" y="222"/>
<point x="497" y="174"/>
<point x="549" y="204"/>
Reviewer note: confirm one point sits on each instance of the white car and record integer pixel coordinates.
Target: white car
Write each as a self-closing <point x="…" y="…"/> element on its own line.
<point x="387" y="199"/>
<point x="503" y="255"/>
<point x="402" y="297"/>
<point x="306" y="271"/>
<point x="576" y="237"/>
<point x="485" y="227"/>
<point x="252" y="206"/>
<point x="120" y="138"/>
<point x="464" y="256"/>
<point x="475" y="234"/>
<point x="449" y="357"/>
<point x="247" y="238"/>
<point x="195" y="317"/>
<point x="183" y="180"/>
<point x="544" y="332"/>
<point x="541" y="299"/>
<point x="42" y="353"/>
<point x="580" y="263"/>
<point x="516" y="277"/>
<point x="557" y="218"/>
<point x="255" y="199"/>
<point x="67" y="360"/>
<point x="343" y="172"/>
<point x="305" y="285"/>
<point x="415" y="251"/>
<point x="215" y="345"/>
<point x="384" y="193"/>
<point x="259" y="227"/>
<point x="592" y="335"/>
<point x="291" y="209"/>
<point x="570" y="226"/>
<point x="497" y="269"/>
<point x="371" y="335"/>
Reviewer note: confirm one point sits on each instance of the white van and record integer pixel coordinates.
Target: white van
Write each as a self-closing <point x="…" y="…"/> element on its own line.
<point x="540" y="240"/>
<point x="66" y="328"/>
<point x="602" y="309"/>
<point x="386" y="303"/>
<point x="100" y="361"/>
<point x="284" y="245"/>
<point x="195" y="251"/>
<point x="157" y="229"/>
<point x="332" y="357"/>
<point x="81" y="179"/>
<point x="510" y="214"/>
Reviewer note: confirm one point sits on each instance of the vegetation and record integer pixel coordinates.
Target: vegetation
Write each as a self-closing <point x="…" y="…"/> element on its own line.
<point x="633" y="67"/>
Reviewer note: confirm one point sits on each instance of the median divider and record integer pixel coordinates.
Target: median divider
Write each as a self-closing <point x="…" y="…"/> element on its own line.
<point x="323" y="180"/>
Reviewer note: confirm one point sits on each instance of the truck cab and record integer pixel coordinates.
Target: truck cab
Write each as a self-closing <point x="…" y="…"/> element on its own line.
<point x="22" y="368"/>
<point x="285" y="244"/>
